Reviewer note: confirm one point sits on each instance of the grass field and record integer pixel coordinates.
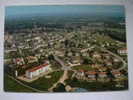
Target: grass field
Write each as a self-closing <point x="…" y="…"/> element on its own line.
<point x="82" y="67"/>
<point x="11" y="85"/>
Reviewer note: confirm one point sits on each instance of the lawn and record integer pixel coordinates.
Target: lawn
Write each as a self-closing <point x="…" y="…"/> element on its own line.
<point x="82" y="67"/>
<point x="12" y="86"/>
<point x="43" y="83"/>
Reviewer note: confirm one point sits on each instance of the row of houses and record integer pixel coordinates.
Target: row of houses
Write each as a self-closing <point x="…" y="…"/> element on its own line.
<point x="93" y="74"/>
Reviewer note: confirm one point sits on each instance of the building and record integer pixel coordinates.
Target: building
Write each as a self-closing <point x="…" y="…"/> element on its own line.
<point x="84" y="50"/>
<point x="122" y="51"/>
<point x="75" y="60"/>
<point x="60" y="53"/>
<point x="91" y="75"/>
<point x="116" y="60"/>
<point x="32" y="59"/>
<point x="102" y="74"/>
<point x="109" y="63"/>
<point x="96" y="55"/>
<point x="36" y="71"/>
<point x="19" y="61"/>
<point x="81" y="72"/>
<point x="116" y="73"/>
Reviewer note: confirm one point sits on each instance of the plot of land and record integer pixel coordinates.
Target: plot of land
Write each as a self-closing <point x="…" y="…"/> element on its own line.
<point x="82" y="67"/>
<point x="43" y="83"/>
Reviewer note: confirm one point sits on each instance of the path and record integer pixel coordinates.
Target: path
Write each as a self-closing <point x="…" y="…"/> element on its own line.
<point x="64" y="76"/>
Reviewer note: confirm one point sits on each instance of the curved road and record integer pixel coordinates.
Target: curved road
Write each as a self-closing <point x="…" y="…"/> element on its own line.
<point x="124" y="63"/>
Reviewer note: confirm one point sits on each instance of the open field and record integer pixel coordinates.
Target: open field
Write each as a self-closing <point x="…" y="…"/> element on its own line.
<point x="12" y="85"/>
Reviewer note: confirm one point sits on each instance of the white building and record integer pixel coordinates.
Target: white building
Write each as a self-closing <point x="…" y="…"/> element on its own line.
<point x="36" y="71"/>
<point x="91" y="75"/>
<point x="116" y="73"/>
<point x="122" y="51"/>
<point x="102" y="75"/>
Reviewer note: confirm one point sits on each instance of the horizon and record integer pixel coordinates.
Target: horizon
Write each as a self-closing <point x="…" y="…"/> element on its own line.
<point x="54" y="10"/>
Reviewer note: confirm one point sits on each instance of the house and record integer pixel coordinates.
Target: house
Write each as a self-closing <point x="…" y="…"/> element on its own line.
<point x="116" y="73"/>
<point x="91" y="75"/>
<point x="96" y="55"/>
<point x="69" y="54"/>
<point x="102" y="69"/>
<point x="19" y="61"/>
<point x="109" y="63"/>
<point x="60" y="53"/>
<point x="77" y="54"/>
<point x="84" y="50"/>
<point x="106" y="56"/>
<point x="38" y="55"/>
<point x="122" y="51"/>
<point x="116" y="60"/>
<point x="10" y="50"/>
<point x="102" y="74"/>
<point x="32" y="59"/>
<point x="75" y="60"/>
<point x="85" y="54"/>
<point x="36" y="71"/>
<point x="81" y="73"/>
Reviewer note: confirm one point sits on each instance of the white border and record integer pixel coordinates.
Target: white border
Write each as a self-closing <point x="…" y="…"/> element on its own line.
<point x="123" y="95"/>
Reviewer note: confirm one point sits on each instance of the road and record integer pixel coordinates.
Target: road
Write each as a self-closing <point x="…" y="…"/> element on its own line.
<point x="64" y="76"/>
<point x="124" y="63"/>
<point x="64" y="67"/>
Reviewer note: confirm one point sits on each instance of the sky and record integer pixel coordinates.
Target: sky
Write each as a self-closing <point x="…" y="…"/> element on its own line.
<point x="12" y="11"/>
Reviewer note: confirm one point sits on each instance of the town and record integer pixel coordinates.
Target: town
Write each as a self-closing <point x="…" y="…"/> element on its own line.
<point x="90" y="56"/>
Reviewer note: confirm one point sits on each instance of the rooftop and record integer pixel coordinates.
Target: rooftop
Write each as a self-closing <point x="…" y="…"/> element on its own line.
<point x="38" y="67"/>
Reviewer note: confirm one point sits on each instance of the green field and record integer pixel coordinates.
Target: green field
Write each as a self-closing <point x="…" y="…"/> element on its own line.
<point x="11" y="85"/>
<point x="82" y="67"/>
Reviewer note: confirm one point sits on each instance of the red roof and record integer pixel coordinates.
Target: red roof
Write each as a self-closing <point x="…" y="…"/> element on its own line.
<point x="102" y="73"/>
<point x="123" y="49"/>
<point x="38" y="67"/>
<point x="116" y="72"/>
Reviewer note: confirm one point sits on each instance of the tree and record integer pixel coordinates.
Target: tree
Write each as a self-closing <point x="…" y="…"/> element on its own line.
<point x="87" y="61"/>
<point x="60" y="88"/>
<point x="51" y="57"/>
